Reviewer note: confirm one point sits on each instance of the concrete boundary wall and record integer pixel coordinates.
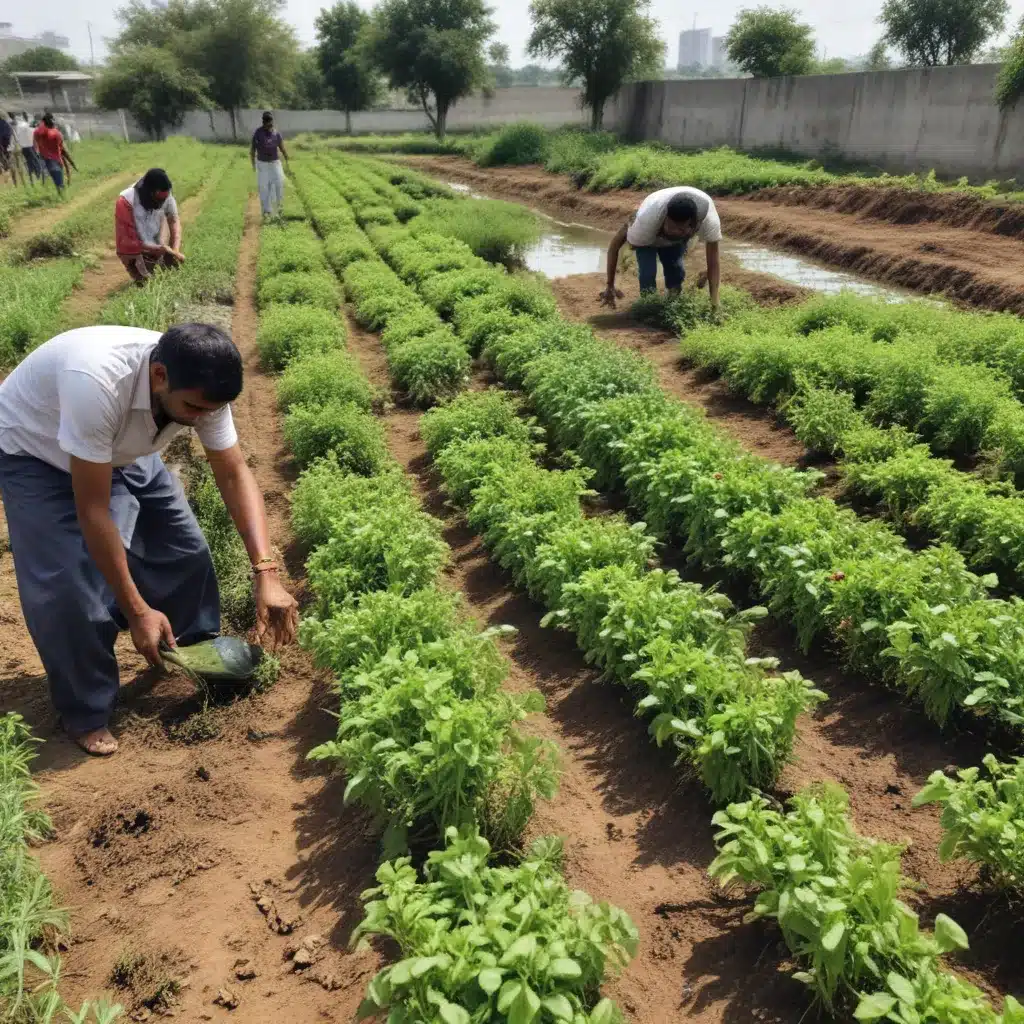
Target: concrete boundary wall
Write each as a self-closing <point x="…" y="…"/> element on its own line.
<point x="906" y="120"/>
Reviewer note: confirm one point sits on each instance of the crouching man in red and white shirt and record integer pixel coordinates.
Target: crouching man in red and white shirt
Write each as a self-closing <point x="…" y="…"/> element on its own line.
<point x="139" y="218"/>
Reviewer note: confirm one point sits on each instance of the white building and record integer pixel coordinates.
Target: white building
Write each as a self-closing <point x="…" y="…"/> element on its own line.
<point x="10" y="44"/>
<point x="695" y="48"/>
<point x="719" y="57"/>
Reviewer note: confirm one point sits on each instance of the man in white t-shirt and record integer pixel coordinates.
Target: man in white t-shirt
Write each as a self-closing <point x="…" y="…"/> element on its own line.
<point x="102" y="535"/>
<point x="661" y="229"/>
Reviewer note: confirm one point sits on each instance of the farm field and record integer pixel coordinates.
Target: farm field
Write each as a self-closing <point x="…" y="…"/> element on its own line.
<point x="731" y="561"/>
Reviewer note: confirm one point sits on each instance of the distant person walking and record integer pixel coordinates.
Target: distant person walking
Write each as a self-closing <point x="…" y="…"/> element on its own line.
<point x="7" y="161"/>
<point x="140" y="215"/>
<point x="266" y="144"/>
<point x="661" y="229"/>
<point x="24" y="141"/>
<point x="49" y="145"/>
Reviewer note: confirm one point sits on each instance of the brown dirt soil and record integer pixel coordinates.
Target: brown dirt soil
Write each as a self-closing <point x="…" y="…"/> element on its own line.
<point x="192" y="860"/>
<point x="968" y="265"/>
<point x="639" y="832"/>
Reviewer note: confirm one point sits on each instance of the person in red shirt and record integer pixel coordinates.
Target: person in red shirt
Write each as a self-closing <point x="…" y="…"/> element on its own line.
<point x="50" y="147"/>
<point x="141" y="215"/>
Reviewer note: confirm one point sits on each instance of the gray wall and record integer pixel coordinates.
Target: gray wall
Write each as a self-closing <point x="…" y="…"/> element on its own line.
<point x="908" y="120"/>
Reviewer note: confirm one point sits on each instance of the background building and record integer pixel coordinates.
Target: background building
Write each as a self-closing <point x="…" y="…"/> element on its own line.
<point x="695" y="47"/>
<point x="719" y="58"/>
<point x="10" y="44"/>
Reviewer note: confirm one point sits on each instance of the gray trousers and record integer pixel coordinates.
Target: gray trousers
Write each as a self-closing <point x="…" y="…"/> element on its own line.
<point x="69" y="607"/>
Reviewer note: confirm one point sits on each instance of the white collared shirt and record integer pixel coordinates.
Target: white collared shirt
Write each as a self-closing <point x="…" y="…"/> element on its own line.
<point x="86" y="393"/>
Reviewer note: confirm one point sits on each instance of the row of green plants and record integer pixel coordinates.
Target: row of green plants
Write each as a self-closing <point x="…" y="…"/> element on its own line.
<point x="33" y="292"/>
<point x="599" y="161"/>
<point x="918" y="619"/>
<point x="31" y="925"/>
<point x="428" y="739"/>
<point x="732" y="718"/>
<point x="836" y="897"/>
<point x="857" y="939"/>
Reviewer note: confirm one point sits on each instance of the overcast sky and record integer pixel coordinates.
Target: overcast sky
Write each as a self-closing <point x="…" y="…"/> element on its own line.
<point x="843" y="28"/>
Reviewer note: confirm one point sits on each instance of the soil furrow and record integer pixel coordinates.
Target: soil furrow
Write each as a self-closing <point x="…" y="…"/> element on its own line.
<point x="976" y="267"/>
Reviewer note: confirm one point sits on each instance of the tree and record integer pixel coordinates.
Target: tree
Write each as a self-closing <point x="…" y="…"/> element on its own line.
<point x="341" y="52"/>
<point x="152" y="86"/>
<point x="40" y="58"/>
<point x="831" y="66"/>
<point x="308" y="90"/>
<point x="878" y="58"/>
<point x="433" y="49"/>
<point x="243" y="48"/>
<point x="768" y="42"/>
<point x="933" y="32"/>
<point x="602" y="43"/>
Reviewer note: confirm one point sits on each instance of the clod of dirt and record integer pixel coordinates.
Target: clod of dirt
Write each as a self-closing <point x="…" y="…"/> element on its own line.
<point x="226" y="998"/>
<point x="276" y="921"/>
<point x="305" y="953"/>
<point x="326" y="979"/>
<point x="894" y="789"/>
<point x="245" y="970"/>
<point x="149" y="981"/>
<point x="202" y="774"/>
<point x="257" y="735"/>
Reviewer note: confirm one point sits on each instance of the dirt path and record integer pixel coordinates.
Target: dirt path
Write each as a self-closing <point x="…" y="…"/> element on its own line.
<point x="157" y="847"/>
<point x="639" y="835"/>
<point x="979" y="267"/>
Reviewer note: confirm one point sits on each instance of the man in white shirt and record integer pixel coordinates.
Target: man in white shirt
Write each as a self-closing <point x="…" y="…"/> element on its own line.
<point x="23" y="141"/>
<point x="102" y="535"/>
<point x="661" y="229"/>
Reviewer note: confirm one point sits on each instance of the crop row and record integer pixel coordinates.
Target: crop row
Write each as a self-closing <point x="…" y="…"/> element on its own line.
<point x="33" y="290"/>
<point x="887" y="363"/>
<point x="427" y="737"/>
<point x="919" y="619"/>
<point x="663" y="638"/>
<point x="836" y="896"/>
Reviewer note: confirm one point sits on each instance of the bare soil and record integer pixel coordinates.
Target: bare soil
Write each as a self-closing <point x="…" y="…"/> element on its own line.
<point x="638" y="830"/>
<point x="914" y="240"/>
<point x="192" y="872"/>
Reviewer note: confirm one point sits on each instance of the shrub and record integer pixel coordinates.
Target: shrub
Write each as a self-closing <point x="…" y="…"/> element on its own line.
<point x="341" y="249"/>
<point x="318" y="378"/>
<point x="478" y="414"/>
<point x="496" y="231"/>
<point x="354" y="437"/>
<point x="430" y="368"/>
<point x="415" y="322"/>
<point x="444" y="291"/>
<point x="286" y="332"/>
<point x="519" y="143"/>
<point x="288" y="249"/>
<point x="302" y="289"/>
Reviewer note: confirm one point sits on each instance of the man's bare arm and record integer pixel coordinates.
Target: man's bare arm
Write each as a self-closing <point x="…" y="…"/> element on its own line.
<point x="91" y="483"/>
<point x="714" y="261"/>
<point x="284" y="152"/>
<point x="174" y="226"/>
<point x="610" y="294"/>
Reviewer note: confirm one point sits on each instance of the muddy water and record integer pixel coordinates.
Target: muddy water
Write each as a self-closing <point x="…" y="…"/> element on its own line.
<point x="566" y="249"/>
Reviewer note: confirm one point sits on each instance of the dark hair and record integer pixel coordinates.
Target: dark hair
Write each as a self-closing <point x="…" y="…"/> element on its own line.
<point x="153" y="181"/>
<point x="48" y="119"/>
<point x="268" y="115"/>
<point x="682" y="210"/>
<point x="200" y="356"/>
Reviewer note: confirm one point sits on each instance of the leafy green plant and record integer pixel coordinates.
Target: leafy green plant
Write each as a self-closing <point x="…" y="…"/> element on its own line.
<point x="288" y="248"/>
<point x="543" y="956"/>
<point x="482" y="414"/>
<point x="431" y="368"/>
<point x="286" y="332"/>
<point x="355" y="437"/>
<point x="318" y="378"/>
<point x="302" y="288"/>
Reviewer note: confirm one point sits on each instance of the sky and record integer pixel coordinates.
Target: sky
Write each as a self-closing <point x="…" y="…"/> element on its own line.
<point x="843" y="28"/>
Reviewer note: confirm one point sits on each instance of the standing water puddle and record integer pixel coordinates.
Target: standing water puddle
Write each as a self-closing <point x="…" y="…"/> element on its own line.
<point x="565" y="249"/>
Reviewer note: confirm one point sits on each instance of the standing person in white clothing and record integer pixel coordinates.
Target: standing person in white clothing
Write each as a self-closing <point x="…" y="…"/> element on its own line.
<point x="661" y="229"/>
<point x="266" y="143"/>
<point x="26" y="144"/>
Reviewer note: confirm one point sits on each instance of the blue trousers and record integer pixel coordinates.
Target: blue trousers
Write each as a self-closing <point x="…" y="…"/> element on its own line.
<point x="69" y="607"/>
<point x="671" y="257"/>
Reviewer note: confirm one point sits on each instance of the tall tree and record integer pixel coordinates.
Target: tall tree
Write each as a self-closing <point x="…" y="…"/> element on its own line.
<point x="152" y="86"/>
<point x="433" y="49"/>
<point x="767" y="42"/>
<point x="878" y="58"/>
<point x="40" y="58"/>
<point x="341" y="50"/>
<point x="601" y="43"/>
<point x="243" y="48"/>
<point x="932" y="32"/>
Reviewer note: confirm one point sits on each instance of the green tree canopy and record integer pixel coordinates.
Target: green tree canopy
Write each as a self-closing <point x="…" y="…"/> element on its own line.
<point x="433" y="49"/>
<point x="307" y="89"/>
<point x="40" y="58"/>
<point x="767" y="42"/>
<point x="242" y="48"/>
<point x="932" y="32"/>
<point x="351" y="80"/>
<point x="878" y="58"/>
<point x="152" y="86"/>
<point x="601" y="43"/>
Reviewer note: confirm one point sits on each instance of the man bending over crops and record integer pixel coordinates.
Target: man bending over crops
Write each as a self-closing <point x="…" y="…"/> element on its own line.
<point x="661" y="229"/>
<point x="102" y="535"/>
<point x="140" y="215"/>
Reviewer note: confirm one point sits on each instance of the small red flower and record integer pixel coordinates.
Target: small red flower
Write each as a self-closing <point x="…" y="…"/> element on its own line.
<point x="837" y="577"/>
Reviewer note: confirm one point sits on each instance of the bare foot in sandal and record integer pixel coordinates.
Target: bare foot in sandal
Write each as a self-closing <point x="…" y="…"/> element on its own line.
<point x="98" y="743"/>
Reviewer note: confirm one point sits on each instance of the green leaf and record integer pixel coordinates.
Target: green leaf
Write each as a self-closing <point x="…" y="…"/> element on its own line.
<point x="831" y="939"/>
<point x="949" y="935"/>
<point x="489" y="979"/>
<point x="507" y="995"/>
<point x="902" y="988"/>
<point x="564" y="967"/>
<point x="522" y="949"/>
<point x="526" y="1006"/>
<point x="559" y="1007"/>
<point x="604" y="1013"/>
<point x="452" y="1014"/>
<point x="874" y="1007"/>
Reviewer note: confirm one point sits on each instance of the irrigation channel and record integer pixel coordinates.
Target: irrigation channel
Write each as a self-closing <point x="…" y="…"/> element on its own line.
<point x="214" y="873"/>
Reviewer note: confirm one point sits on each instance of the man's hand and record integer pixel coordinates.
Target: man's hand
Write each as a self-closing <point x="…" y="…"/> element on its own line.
<point x="609" y="295"/>
<point x="150" y="628"/>
<point x="277" y="612"/>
